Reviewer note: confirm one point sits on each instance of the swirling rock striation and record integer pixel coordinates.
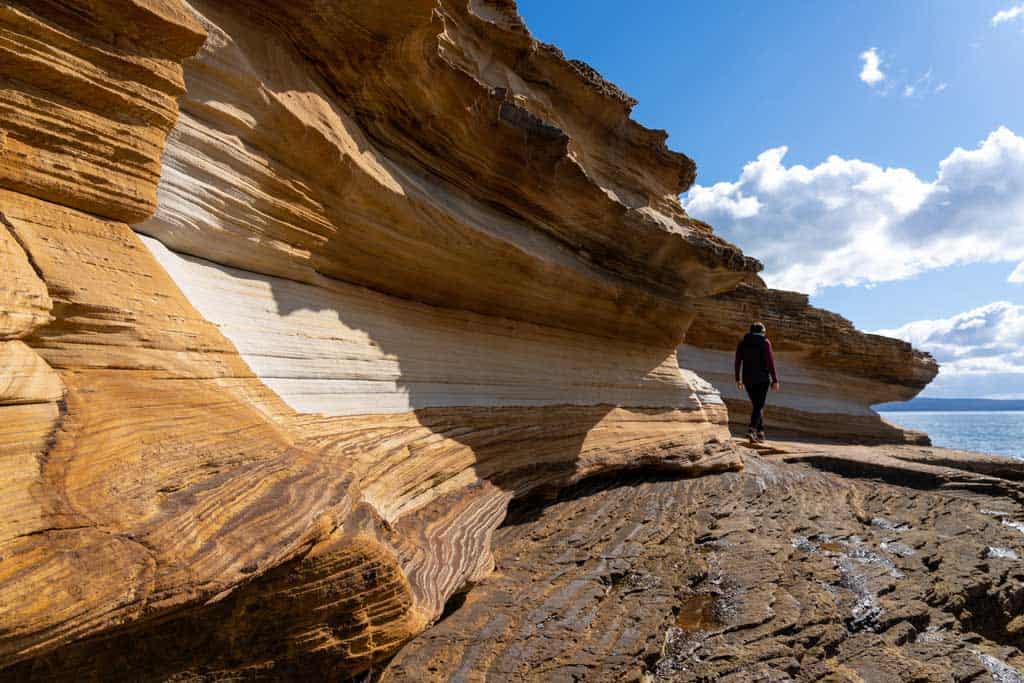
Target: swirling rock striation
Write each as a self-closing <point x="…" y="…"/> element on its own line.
<point x="781" y="572"/>
<point x="297" y="296"/>
<point x="832" y="373"/>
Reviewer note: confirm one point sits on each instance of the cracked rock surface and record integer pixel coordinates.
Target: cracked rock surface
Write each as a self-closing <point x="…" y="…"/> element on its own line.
<point x="785" y="571"/>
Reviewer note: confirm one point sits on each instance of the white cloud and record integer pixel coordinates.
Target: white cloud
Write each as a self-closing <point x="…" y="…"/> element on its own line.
<point x="1008" y="14"/>
<point x="979" y="350"/>
<point x="920" y="85"/>
<point x="1017" y="276"/>
<point x="850" y="222"/>
<point x="883" y="82"/>
<point x="871" y="73"/>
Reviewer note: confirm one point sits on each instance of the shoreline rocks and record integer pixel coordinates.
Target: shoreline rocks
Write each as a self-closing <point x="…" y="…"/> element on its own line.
<point x="299" y="297"/>
<point x="781" y="571"/>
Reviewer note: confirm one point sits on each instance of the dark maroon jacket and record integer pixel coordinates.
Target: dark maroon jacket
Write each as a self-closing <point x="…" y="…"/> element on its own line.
<point x="754" y="355"/>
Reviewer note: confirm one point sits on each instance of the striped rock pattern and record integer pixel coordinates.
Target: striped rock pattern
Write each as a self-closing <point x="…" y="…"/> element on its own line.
<point x="831" y="372"/>
<point x="296" y="298"/>
<point x="781" y="572"/>
<point x="89" y="94"/>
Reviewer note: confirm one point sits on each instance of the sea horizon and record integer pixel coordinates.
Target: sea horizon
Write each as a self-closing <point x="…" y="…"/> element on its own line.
<point x="995" y="432"/>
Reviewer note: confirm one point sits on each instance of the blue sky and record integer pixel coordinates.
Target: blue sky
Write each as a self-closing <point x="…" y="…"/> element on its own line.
<point x="819" y="130"/>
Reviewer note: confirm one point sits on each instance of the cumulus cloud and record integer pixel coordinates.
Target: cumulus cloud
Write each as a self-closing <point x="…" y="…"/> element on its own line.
<point x="1017" y="276"/>
<point x="851" y="222"/>
<point x="979" y="350"/>
<point x="871" y="73"/>
<point x="985" y="337"/>
<point x="1008" y="14"/>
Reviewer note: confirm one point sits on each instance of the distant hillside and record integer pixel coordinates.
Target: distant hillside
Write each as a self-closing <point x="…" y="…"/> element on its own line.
<point x="922" y="404"/>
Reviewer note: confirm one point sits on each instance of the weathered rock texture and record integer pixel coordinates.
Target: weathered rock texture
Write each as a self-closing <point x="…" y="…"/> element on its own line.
<point x="297" y="296"/>
<point x="398" y="265"/>
<point x="901" y="570"/>
<point x="831" y="373"/>
<point x="89" y="92"/>
<point x="438" y="154"/>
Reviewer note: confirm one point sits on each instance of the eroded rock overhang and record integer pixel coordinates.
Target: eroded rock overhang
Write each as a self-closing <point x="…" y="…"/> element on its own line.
<point x="831" y="372"/>
<point x="401" y="263"/>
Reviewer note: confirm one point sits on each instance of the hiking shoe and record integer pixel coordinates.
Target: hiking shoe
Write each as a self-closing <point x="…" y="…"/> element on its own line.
<point x="752" y="435"/>
<point x="760" y="436"/>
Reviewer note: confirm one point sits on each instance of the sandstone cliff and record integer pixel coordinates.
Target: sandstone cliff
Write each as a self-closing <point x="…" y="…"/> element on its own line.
<point x="297" y="296"/>
<point x="831" y="372"/>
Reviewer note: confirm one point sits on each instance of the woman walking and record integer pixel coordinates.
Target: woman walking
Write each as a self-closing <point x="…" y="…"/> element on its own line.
<point x="755" y="370"/>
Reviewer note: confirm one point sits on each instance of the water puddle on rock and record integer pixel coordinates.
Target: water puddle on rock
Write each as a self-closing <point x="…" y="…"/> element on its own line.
<point x="818" y="543"/>
<point x="994" y="553"/>
<point x="896" y="548"/>
<point x="698" y="613"/>
<point x="866" y="609"/>
<point x="1000" y="671"/>
<point x="866" y="557"/>
<point x="888" y="524"/>
<point x="850" y="557"/>
<point x="1019" y="526"/>
<point x="805" y="544"/>
<point x="1006" y="518"/>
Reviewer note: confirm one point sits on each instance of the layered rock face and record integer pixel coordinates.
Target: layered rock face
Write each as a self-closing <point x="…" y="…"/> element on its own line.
<point x="831" y="373"/>
<point x="276" y="363"/>
<point x="852" y="565"/>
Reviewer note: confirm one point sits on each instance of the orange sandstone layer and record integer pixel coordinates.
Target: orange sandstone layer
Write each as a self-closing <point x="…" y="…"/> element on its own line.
<point x="401" y="265"/>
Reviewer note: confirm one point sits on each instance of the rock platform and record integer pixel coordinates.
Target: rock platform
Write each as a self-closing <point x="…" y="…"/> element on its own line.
<point x="816" y="562"/>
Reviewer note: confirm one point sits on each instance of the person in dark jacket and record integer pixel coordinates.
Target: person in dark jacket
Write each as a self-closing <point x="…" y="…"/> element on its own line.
<point x="755" y="359"/>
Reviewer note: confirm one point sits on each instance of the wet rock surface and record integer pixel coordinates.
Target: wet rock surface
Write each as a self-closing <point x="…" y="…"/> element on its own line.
<point x="781" y="572"/>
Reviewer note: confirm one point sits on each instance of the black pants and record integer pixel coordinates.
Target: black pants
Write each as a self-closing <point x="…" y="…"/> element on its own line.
<point x="758" y="394"/>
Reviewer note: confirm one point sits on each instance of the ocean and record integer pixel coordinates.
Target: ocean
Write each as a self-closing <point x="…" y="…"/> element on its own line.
<point x="999" y="432"/>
